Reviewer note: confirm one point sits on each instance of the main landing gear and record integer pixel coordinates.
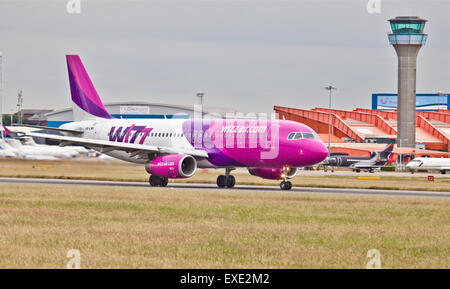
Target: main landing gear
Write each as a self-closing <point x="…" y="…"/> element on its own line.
<point x="285" y="184"/>
<point x="226" y="180"/>
<point x="156" y="181"/>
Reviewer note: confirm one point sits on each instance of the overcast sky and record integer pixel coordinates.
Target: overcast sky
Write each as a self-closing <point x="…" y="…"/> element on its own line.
<point x="249" y="55"/>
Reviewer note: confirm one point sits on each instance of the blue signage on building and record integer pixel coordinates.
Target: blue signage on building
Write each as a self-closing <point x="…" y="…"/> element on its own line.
<point x="388" y="101"/>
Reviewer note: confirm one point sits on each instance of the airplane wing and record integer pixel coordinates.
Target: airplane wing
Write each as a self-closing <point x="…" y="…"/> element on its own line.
<point x="104" y="146"/>
<point x="38" y="127"/>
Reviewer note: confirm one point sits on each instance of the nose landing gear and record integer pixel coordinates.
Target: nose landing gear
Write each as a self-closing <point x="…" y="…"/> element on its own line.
<point x="226" y="180"/>
<point x="285" y="184"/>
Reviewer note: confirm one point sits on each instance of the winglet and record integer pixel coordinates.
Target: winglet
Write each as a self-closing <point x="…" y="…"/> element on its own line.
<point x="6" y="131"/>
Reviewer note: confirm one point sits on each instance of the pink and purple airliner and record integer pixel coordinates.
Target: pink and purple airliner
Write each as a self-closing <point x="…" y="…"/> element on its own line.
<point x="175" y="148"/>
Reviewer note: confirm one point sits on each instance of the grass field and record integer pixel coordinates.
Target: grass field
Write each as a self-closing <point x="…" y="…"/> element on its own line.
<point x="171" y="228"/>
<point x="121" y="171"/>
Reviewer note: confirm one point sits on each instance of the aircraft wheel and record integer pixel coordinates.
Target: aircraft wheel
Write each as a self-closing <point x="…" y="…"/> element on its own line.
<point x="231" y="181"/>
<point x="286" y="185"/>
<point x="443" y="172"/>
<point x="221" y="181"/>
<point x="154" y="181"/>
<point x="358" y="170"/>
<point x="164" y="182"/>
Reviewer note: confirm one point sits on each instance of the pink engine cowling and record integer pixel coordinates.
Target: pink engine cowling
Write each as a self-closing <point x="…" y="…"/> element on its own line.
<point x="272" y="173"/>
<point x="172" y="166"/>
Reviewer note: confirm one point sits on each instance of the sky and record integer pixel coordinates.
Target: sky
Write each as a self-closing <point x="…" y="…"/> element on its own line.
<point x="247" y="55"/>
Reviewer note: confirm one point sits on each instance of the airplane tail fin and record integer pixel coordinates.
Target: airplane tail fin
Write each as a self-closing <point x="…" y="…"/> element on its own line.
<point x="387" y="151"/>
<point x="85" y="99"/>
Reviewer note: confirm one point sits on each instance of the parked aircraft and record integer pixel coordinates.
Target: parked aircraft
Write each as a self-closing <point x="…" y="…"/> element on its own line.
<point x="370" y="164"/>
<point x="175" y="148"/>
<point x="429" y="164"/>
<point x="26" y="148"/>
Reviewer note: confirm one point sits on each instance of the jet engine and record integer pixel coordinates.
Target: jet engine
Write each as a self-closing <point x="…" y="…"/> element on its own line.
<point x="272" y="173"/>
<point x="172" y="166"/>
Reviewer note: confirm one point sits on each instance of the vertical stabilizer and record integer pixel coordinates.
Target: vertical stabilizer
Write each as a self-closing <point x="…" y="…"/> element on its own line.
<point x="387" y="151"/>
<point x="86" y="102"/>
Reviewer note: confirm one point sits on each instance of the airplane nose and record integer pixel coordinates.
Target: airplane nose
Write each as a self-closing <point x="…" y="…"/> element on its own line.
<point x="323" y="151"/>
<point x="319" y="151"/>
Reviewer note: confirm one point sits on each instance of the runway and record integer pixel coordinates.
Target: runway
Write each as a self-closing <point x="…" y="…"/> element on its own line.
<point x="275" y="189"/>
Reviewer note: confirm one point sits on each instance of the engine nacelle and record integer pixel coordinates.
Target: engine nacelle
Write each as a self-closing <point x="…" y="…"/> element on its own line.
<point x="172" y="166"/>
<point x="272" y="173"/>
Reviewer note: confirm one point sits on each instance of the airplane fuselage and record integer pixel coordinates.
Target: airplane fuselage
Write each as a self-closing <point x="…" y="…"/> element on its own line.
<point x="229" y="143"/>
<point x="429" y="164"/>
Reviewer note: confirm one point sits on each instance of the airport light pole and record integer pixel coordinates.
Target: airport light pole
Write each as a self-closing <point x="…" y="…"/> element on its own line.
<point x="329" y="88"/>
<point x="19" y="106"/>
<point x="200" y="95"/>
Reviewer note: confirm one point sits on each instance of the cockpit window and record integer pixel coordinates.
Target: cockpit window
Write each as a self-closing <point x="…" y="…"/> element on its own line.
<point x="308" y="135"/>
<point x="298" y="135"/>
<point x="303" y="135"/>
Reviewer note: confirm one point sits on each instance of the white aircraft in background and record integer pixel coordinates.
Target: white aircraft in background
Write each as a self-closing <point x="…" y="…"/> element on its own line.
<point x="429" y="164"/>
<point x="26" y="148"/>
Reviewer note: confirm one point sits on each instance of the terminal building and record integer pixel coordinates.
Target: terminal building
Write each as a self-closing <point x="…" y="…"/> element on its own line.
<point x="364" y="130"/>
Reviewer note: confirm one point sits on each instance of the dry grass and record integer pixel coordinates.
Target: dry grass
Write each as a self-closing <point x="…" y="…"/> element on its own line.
<point x="172" y="228"/>
<point x="121" y="171"/>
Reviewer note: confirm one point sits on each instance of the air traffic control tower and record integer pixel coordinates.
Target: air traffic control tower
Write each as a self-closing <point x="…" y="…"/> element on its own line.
<point x="407" y="39"/>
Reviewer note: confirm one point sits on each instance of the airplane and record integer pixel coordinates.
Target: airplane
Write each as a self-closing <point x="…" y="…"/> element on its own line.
<point x="175" y="148"/>
<point x="429" y="164"/>
<point x="370" y="164"/>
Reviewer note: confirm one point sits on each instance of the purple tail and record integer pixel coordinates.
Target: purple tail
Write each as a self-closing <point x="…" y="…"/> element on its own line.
<point x="87" y="103"/>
